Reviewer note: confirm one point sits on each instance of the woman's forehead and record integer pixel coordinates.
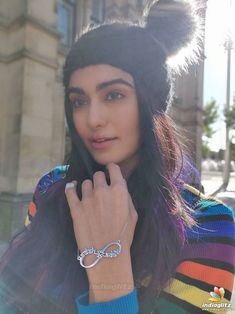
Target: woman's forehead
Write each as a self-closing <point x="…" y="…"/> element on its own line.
<point x="96" y="74"/>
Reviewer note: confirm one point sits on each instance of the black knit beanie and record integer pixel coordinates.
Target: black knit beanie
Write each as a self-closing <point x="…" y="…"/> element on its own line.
<point x="142" y="48"/>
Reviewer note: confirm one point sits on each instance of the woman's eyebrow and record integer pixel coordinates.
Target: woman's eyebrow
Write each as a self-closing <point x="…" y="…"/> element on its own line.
<point x="112" y="82"/>
<point x="100" y="86"/>
<point x="76" y="90"/>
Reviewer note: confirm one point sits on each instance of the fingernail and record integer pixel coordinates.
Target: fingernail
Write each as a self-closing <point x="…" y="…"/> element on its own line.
<point x="75" y="183"/>
<point x="69" y="185"/>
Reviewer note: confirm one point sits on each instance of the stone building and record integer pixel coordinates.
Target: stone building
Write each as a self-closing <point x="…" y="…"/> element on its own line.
<point x="35" y="37"/>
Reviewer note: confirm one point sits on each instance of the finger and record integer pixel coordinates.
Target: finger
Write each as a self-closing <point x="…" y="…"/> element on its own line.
<point x="99" y="179"/>
<point x="72" y="198"/>
<point x="115" y="174"/>
<point x="87" y="188"/>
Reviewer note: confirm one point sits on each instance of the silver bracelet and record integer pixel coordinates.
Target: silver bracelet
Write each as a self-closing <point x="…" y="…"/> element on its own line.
<point x="100" y="253"/>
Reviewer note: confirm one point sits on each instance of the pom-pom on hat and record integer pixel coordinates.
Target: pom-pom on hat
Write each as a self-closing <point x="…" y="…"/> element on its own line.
<point x="173" y="23"/>
<point x="141" y="49"/>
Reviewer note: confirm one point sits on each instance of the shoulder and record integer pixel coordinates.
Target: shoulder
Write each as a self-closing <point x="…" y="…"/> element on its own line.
<point x="214" y="220"/>
<point x="50" y="178"/>
<point x="46" y="181"/>
<point x="204" y="205"/>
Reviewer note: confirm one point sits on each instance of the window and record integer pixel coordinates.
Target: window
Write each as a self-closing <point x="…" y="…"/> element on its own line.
<point x="66" y="13"/>
<point x="97" y="11"/>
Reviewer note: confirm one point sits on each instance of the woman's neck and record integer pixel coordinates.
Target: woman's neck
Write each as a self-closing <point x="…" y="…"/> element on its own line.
<point x="127" y="166"/>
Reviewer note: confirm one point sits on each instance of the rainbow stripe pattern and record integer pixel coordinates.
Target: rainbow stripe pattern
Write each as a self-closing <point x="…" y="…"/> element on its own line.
<point x="207" y="262"/>
<point x="206" y="269"/>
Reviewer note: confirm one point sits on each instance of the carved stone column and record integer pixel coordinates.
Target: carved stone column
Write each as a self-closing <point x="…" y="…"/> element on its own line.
<point x="32" y="127"/>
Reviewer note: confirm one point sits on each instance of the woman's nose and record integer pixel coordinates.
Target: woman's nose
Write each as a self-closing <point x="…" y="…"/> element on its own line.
<point x="96" y="115"/>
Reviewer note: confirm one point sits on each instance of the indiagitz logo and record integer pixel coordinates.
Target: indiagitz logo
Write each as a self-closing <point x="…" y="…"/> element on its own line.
<point x="217" y="295"/>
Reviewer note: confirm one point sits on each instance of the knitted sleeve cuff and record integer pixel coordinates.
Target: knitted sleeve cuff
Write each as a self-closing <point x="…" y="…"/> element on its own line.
<point x="124" y="304"/>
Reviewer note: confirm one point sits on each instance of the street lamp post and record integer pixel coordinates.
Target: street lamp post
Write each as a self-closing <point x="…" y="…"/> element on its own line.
<point x="228" y="45"/>
<point x="227" y="156"/>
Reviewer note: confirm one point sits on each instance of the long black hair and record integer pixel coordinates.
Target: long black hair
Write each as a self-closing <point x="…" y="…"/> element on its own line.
<point x="40" y="266"/>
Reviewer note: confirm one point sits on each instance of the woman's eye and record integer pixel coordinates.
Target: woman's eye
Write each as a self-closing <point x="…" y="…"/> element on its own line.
<point x="78" y="102"/>
<point x="114" y="96"/>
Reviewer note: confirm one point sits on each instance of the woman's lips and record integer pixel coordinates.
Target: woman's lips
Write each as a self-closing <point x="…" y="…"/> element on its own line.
<point x="103" y="144"/>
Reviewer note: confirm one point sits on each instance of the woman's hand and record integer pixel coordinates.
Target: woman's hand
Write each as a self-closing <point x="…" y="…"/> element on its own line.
<point x="103" y="211"/>
<point x="98" y="219"/>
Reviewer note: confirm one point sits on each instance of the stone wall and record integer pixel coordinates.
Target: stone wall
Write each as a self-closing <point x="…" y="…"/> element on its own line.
<point x="32" y="129"/>
<point x="32" y="122"/>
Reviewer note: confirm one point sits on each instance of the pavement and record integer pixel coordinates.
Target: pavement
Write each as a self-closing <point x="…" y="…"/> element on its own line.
<point x="211" y="181"/>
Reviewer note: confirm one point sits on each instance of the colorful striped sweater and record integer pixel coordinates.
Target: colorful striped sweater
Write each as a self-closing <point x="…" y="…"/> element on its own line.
<point x="204" y="277"/>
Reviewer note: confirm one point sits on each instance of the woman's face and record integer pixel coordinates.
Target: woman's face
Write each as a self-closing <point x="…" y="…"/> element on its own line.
<point x="105" y="107"/>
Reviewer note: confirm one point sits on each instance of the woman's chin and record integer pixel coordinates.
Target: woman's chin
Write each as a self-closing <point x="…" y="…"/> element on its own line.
<point x="106" y="162"/>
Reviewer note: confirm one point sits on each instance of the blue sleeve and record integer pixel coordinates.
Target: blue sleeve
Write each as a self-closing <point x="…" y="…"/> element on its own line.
<point x="125" y="304"/>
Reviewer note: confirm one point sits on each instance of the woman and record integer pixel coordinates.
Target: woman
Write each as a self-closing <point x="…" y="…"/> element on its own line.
<point x="121" y="193"/>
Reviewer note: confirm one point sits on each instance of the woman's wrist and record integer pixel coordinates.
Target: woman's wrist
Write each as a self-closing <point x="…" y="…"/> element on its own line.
<point x="115" y="264"/>
<point x="111" y="279"/>
<point x="110" y="288"/>
<point x="105" y="293"/>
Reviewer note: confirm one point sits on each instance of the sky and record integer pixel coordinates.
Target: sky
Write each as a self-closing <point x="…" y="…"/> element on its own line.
<point x="219" y="13"/>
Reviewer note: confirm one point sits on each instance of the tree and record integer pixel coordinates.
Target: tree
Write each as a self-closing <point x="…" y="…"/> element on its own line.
<point x="229" y="115"/>
<point x="210" y="116"/>
<point x="227" y="154"/>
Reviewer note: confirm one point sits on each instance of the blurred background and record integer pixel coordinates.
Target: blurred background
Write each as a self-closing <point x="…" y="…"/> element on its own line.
<point x="35" y="37"/>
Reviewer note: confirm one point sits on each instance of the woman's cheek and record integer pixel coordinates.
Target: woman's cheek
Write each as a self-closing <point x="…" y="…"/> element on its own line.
<point x="78" y="121"/>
